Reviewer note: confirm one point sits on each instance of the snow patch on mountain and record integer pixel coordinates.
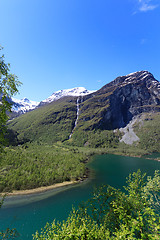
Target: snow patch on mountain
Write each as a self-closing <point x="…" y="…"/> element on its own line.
<point x="141" y="76"/>
<point x="23" y="105"/>
<point x="77" y="91"/>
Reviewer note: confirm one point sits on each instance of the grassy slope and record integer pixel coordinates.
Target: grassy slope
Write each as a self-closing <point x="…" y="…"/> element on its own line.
<point x="149" y="132"/>
<point x="91" y="112"/>
<point x="49" y="124"/>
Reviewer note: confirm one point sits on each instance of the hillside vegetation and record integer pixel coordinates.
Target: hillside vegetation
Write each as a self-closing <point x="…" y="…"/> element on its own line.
<point x="149" y="132"/>
<point x="48" y="124"/>
<point x="31" y="166"/>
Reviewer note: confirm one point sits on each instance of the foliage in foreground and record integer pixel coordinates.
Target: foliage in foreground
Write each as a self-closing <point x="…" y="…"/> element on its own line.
<point x="9" y="234"/>
<point x="8" y="87"/>
<point x="114" y="214"/>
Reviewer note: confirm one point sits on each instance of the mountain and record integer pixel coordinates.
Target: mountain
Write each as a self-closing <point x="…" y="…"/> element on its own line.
<point x="51" y="123"/>
<point x="78" y="91"/>
<point x="96" y="118"/>
<point x="25" y="105"/>
<point x="115" y="104"/>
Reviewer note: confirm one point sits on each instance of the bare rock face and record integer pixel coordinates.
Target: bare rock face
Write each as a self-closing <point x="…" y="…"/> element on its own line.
<point x="122" y="99"/>
<point x="133" y="94"/>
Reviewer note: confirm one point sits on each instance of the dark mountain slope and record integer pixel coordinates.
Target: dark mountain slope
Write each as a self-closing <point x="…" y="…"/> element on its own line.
<point x="115" y="104"/>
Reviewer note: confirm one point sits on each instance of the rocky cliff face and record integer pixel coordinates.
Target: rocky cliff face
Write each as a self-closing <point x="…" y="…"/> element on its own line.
<point x="136" y="93"/>
<point x="122" y="99"/>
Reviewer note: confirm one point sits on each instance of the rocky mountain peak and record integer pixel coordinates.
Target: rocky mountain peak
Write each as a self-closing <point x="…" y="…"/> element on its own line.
<point x="136" y="79"/>
<point x="142" y="79"/>
<point x="25" y="100"/>
<point x="133" y="94"/>
<point x="122" y="100"/>
<point x="139" y="77"/>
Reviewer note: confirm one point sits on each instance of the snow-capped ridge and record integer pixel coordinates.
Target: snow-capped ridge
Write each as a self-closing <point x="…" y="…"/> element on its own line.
<point x="138" y="73"/>
<point x="77" y="91"/>
<point x="141" y="76"/>
<point x="23" y="105"/>
<point x="137" y="76"/>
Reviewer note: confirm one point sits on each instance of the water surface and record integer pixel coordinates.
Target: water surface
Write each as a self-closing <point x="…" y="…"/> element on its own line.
<point x="30" y="213"/>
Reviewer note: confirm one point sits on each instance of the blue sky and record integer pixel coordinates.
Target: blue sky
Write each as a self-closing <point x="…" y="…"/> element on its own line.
<point x="59" y="44"/>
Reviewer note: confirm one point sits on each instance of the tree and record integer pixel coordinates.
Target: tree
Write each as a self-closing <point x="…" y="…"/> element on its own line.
<point x="113" y="214"/>
<point x="8" y="87"/>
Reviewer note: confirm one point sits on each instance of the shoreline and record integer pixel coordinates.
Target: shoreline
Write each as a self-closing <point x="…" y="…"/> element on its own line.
<point x="39" y="189"/>
<point x="46" y="188"/>
<point x="62" y="184"/>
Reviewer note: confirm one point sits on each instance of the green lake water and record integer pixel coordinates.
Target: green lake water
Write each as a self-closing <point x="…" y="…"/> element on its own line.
<point x="30" y="213"/>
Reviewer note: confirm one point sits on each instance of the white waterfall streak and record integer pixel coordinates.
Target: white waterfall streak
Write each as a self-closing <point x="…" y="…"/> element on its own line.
<point x="75" y="124"/>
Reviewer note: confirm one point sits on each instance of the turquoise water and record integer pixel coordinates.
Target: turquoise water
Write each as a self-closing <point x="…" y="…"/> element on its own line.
<point x="153" y="156"/>
<point x="30" y="213"/>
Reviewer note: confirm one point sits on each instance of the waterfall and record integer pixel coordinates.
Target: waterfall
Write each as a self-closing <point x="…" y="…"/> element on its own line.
<point x="75" y="124"/>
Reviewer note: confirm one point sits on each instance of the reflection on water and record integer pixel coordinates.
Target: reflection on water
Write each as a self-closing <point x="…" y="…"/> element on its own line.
<point x="154" y="156"/>
<point x="30" y="213"/>
<point x="13" y="201"/>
